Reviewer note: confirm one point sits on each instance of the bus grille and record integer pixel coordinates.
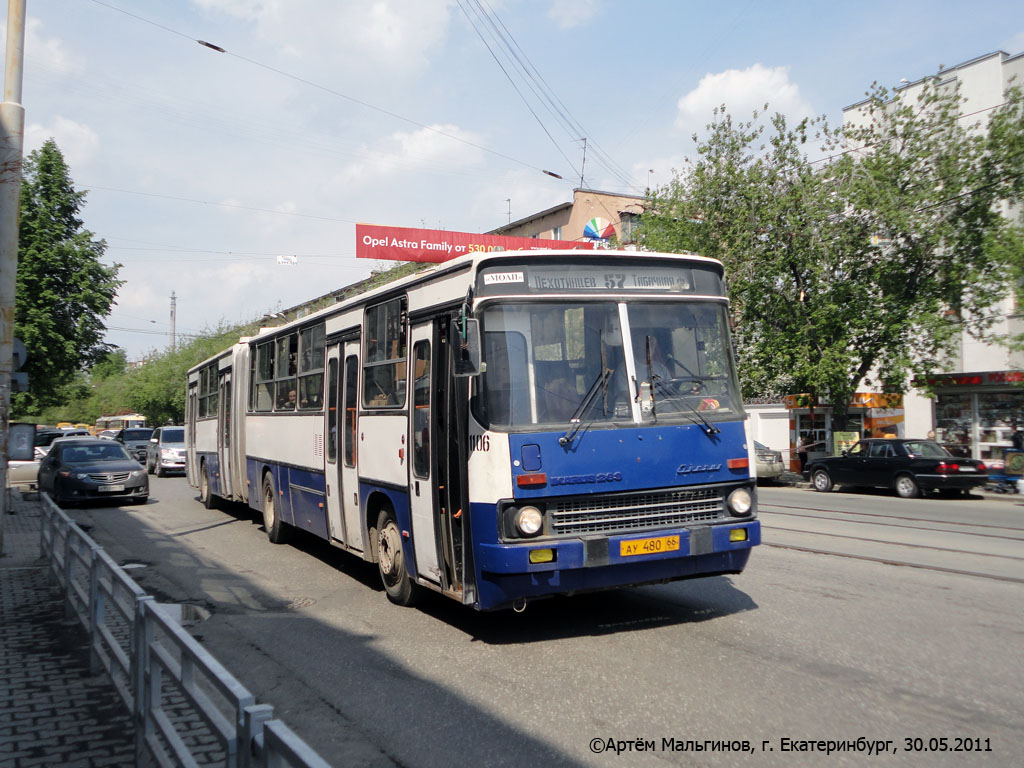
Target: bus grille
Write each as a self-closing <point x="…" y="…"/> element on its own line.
<point x="636" y="511"/>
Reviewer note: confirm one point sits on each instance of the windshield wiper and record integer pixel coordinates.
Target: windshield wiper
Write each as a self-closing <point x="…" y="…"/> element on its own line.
<point x="708" y="427"/>
<point x="576" y="420"/>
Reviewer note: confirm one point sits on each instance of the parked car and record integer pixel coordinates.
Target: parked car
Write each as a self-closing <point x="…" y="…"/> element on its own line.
<point x="107" y="434"/>
<point x="910" y="467"/>
<point x="83" y="469"/>
<point x="45" y="438"/>
<point x="135" y="440"/>
<point x="165" y="451"/>
<point x="768" y="462"/>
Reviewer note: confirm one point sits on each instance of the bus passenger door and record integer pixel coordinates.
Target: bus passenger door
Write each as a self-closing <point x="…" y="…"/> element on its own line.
<point x="349" y="431"/>
<point x="332" y="431"/>
<point x="224" y="436"/>
<point x="422" y="487"/>
<point x="191" y="469"/>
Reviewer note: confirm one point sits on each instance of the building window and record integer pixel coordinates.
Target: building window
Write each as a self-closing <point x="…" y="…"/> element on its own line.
<point x="556" y="233"/>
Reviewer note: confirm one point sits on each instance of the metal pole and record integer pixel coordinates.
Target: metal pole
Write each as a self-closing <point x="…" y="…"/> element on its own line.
<point x="174" y="314"/>
<point x="12" y="135"/>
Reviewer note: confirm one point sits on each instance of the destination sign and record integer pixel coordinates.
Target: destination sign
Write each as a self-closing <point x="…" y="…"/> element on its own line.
<point x="595" y="278"/>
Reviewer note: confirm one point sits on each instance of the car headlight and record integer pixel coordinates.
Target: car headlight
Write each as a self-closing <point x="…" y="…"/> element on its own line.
<point x="137" y="473"/>
<point x="168" y="453"/>
<point x="529" y="521"/>
<point x="740" y="502"/>
<point x="81" y="476"/>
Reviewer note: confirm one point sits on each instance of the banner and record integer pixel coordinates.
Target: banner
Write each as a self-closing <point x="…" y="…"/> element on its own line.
<point x="435" y="245"/>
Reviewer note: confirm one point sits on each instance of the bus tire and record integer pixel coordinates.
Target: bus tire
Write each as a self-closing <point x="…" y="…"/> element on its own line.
<point x="277" y="530"/>
<point x="391" y="561"/>
<point x="205" y="496"/>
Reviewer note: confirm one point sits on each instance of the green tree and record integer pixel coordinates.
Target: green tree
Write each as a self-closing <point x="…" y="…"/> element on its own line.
<point x="859" y="268"/>
<point x="63" y="291"/>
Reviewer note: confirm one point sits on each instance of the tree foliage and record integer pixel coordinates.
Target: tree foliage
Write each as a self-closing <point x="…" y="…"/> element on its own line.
<point x="63" y="291"/>
<point x="860" y="267"/>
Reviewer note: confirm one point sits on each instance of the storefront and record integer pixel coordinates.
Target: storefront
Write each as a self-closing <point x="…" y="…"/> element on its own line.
<point x="976" y="414"/>
<point x="871" y="414"/>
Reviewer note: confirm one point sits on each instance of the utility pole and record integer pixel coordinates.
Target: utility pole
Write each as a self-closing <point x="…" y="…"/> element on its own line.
<point x="12" y="139"/>
<point x="174" y="312"/>
<point x="584" y="164"/>
<point x="509" y="201"/>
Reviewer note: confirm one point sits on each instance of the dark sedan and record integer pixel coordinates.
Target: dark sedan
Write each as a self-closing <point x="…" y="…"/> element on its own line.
<point x="910" y="467"/>
<point x="87" y="469"/>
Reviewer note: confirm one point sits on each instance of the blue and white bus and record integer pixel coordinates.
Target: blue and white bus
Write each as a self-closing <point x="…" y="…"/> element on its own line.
<point x="498" y="428"/>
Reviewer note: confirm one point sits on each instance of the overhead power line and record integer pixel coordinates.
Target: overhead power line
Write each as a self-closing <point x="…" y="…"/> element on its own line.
<point x="505" y="46"/>
<point x="326" y="89"/>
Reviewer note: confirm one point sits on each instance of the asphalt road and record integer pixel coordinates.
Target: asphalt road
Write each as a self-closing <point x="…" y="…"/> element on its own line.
<point x="804" y="645"/>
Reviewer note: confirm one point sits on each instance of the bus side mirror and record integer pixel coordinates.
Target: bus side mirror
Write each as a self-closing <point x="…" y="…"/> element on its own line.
<point x="465" y="338"/>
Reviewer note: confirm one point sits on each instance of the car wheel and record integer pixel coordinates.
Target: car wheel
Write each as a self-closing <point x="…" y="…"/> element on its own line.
<point x="391" y="561"/>
<point x="277" y="530"/>
<point x="907" y="487"/>
<point x="160" y="471"/>
<point x="821" y="480"/>
<point x="149" y="468"/>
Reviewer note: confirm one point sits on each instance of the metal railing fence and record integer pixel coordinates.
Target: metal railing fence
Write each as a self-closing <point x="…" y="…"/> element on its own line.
<point x="188" y="710"/>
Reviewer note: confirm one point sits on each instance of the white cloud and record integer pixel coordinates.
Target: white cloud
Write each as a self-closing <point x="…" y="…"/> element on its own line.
<point x="742" y="92"/>
<point x="568" y="14"/>
<point x="368" y="36"/>
<point x="427" y="149"/>
<point x="48" y="49"/>
<point x="77" y="141"/>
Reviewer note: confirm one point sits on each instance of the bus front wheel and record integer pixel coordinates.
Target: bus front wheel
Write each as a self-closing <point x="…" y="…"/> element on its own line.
<point x="391" y="561"/>
<point x="277" y="530"/>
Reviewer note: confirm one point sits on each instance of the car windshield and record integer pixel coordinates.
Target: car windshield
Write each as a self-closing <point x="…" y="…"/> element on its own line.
<point x="173" y="435"/>
<point x="927" y="449"/>
<point x="137" y="434"/>
<point x="93" y="454"/>
<point x="548" y="362"/>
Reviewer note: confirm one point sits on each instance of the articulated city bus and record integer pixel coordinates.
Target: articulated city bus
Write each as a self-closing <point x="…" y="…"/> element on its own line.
<point x="498" y="428"/>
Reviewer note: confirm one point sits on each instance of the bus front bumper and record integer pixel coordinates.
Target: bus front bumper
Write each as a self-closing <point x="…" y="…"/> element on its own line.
<point x="559" y="566"/>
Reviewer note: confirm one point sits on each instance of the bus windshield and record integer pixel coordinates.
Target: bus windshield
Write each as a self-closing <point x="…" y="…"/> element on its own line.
<point x="550" y="362"/>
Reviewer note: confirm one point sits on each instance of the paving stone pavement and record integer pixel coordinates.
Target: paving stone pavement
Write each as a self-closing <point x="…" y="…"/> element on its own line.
<point x="53" y="712"/>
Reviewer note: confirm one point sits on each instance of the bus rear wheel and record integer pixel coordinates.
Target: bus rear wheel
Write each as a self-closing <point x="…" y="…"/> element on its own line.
<point x="391" y="561"/>
<point x="208" y="499"/>
<point x="277" y="530"/>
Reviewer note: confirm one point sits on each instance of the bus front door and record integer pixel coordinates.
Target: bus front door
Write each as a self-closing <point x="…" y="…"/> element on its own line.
<point x="423" y="495"/>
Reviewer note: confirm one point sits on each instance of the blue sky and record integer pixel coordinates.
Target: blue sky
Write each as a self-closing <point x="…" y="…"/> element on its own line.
<point x="202" y="167"/>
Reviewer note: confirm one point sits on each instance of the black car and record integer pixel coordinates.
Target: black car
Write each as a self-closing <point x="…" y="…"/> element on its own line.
<point x="84" y="469"/>
<point x="135" y="440"/>
<point x="910" y="467"/>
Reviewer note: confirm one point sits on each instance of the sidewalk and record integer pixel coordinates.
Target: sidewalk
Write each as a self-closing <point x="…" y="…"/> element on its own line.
<point x="53" y="712"/>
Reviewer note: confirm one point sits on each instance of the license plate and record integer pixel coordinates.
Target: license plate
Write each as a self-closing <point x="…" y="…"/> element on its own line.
<point x="967" y="469"/>
<point x="111" y="488"/>
<point x="648" y="546"/>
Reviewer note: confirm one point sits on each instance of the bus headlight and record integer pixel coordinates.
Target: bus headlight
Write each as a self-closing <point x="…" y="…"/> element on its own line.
<point x="529" y="521"/>
<point x="740" y="502"/>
